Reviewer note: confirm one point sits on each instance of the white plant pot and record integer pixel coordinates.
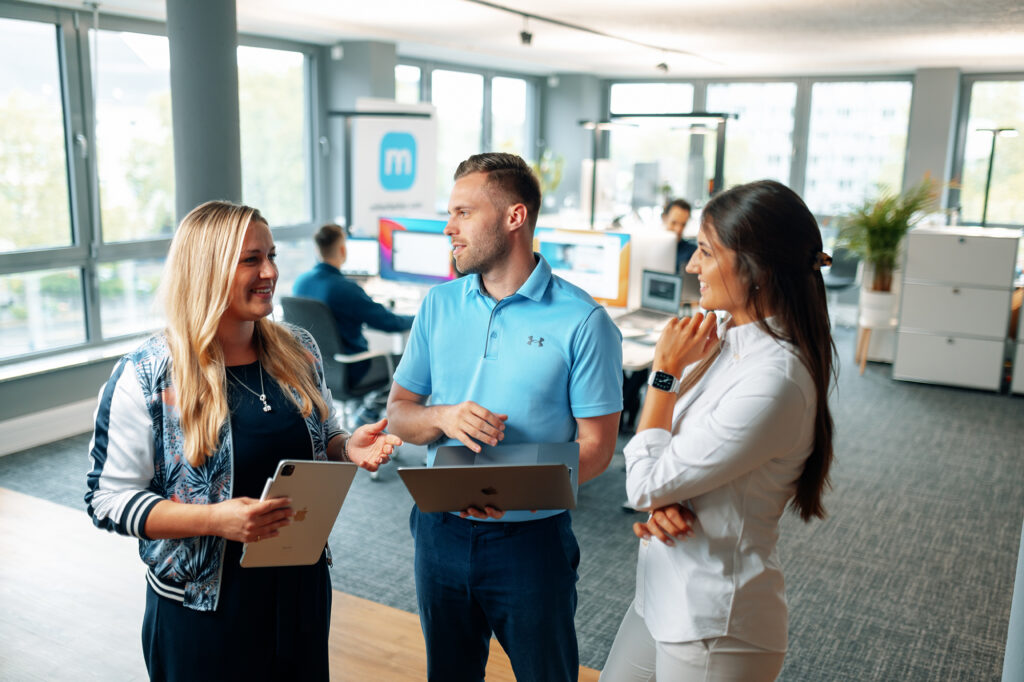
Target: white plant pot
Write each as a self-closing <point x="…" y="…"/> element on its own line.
<point x="877" y="309"/>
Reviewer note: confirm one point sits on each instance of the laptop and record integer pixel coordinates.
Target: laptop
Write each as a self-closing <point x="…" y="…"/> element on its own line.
<point x="317" y="491"/>
<point x="524" y="476"/>
<point x="660" y="294"/>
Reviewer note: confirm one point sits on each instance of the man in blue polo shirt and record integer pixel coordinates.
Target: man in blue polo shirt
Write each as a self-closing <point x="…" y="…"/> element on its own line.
<point x="509" y="354"/>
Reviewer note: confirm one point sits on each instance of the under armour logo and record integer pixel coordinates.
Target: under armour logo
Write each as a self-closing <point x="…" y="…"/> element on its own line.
<point x="540" y="341"/>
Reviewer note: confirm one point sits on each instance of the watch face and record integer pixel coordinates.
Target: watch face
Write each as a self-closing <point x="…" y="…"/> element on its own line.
<point x="663" y="381"/>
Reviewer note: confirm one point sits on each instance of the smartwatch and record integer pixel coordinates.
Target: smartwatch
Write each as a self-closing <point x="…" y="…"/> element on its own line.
<point x="663" y="381"/>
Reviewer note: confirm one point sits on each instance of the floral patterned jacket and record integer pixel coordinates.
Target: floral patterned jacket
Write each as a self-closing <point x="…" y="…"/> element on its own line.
<point x="137" y="457"/>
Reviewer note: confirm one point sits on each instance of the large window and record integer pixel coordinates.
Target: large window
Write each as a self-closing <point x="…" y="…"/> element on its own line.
<point x="759" y="142"/>
<point x="476" y="111"/>
<point x="407" y="83"/>
<point x="996" y="115"/>
<point x="651" y="98"/>
<point x="82" y="253"/>
<point x="275" y="134"/>
<point x="511" y="102"/>
<point x="650" y="158"/>
<point x="459" y="99"/>
<point x="133" y="135"/>
<point x="857" y="143"/>
<point x="33" y="162"/>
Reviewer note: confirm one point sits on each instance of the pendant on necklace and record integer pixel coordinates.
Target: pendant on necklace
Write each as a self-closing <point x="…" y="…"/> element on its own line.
<point x="263" y="399"/>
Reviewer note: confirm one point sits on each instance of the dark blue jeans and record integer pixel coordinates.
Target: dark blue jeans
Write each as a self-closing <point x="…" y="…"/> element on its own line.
<point x="517" y="580"/>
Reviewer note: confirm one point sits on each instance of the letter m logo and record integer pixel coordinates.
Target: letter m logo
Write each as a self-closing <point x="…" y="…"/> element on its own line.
<point x="397" y="161"/>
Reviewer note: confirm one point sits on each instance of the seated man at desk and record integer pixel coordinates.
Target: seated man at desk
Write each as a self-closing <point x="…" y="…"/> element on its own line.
<point x="351" y="306"/>
<point x="675" y="216"/>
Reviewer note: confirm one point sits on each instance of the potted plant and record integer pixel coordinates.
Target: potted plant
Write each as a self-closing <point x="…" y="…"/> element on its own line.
<point x="875" y="229"/>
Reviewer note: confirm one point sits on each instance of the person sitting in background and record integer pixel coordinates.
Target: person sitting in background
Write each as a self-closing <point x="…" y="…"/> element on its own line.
<point x="675" y="216"/>
<point x="351" y="306"/>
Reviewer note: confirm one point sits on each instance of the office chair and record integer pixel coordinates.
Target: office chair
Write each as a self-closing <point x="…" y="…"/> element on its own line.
<point x="841" y="275"/>
<point x="315" y="317"/>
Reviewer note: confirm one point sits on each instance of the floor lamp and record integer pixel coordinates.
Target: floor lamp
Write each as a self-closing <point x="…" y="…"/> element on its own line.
<point x="995" y="132"/>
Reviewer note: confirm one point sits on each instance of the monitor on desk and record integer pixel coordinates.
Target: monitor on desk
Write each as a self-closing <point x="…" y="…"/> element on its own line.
<point x="661" y="291"/>
<point x="597" y="262"/>
<point x="362" y="257"/>
<point x="415" y="250"/>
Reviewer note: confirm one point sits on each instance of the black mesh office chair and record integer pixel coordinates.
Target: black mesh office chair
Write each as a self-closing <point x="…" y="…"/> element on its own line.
<point x="842" y="274"/>
<point x="318" y="320"/>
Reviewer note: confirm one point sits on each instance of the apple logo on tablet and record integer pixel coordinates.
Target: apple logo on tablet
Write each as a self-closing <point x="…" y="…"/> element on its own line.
<point x="489" y="491"/>
<point x="300" y="515"/>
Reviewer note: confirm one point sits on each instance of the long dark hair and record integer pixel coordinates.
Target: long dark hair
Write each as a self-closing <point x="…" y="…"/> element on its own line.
<point x="777" y="242"/>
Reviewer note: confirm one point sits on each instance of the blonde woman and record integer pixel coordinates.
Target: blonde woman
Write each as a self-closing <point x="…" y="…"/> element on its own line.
<point x="189" y="427"/>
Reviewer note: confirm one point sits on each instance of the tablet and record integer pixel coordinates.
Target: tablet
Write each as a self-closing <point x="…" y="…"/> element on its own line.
<point x="317" y="490"/>
<point x="508" y="487"/>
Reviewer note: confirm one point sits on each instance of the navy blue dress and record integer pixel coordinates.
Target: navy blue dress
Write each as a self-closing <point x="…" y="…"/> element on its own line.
<point x="270" y="623"/>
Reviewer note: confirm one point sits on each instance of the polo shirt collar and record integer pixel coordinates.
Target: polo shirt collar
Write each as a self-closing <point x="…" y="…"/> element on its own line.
<point x="533" y="288"/>
<point x="327" y="267"/>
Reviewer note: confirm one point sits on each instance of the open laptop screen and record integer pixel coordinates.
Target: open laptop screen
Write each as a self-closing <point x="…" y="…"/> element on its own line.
<point x="661" y="291"/>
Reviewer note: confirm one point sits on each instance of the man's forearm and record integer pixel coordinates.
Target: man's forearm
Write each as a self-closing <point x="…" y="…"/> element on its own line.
<point x="414" y="423"/>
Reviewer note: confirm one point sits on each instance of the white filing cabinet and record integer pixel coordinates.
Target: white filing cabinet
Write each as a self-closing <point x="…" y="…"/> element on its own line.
<point x="1017" y="386"/>
<point x="955" y="308"/>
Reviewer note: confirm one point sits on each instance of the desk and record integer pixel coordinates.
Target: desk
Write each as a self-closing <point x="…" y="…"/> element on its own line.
<point x="401" y="298"/>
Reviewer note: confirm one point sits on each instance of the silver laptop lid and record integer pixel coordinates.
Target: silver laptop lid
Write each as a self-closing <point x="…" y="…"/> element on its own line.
<point x="661" y="291"/>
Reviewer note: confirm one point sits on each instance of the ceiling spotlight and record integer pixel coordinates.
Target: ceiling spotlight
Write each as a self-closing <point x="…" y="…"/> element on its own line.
<point x="661" y="66"/>
<point x="525" y="37"/>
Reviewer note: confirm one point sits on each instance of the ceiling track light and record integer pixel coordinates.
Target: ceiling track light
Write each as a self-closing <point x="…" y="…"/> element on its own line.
<point x="525" y="37"/>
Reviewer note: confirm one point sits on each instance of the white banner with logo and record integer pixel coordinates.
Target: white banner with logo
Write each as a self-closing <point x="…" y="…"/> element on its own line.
<point x="394" y="161"/>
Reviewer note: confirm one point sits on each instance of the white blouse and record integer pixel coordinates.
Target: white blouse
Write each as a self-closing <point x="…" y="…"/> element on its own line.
<point x="738" y="444"/>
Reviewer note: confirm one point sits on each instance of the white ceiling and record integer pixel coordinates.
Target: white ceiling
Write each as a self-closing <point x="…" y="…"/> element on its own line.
<point x="722" y="37"/>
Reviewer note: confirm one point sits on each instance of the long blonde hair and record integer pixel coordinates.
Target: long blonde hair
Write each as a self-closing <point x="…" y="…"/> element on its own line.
<point x="196" y="291"/>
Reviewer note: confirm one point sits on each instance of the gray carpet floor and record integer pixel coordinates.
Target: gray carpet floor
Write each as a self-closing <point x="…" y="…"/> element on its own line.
<point x="910" y="577"/>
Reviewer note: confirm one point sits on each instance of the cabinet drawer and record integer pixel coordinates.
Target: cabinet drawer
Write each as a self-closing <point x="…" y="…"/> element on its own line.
<point x="962" y="259"/>
<point x="955" y="310"/>
<point x="1017" y="386"/>
<point x="973" y="363"/>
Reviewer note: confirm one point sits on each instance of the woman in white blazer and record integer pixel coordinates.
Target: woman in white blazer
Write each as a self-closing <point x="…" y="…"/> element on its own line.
<point x="734" y="427"/>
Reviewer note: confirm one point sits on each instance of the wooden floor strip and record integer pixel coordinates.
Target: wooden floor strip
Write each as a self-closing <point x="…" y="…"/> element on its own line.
<point x="72" y="597"/>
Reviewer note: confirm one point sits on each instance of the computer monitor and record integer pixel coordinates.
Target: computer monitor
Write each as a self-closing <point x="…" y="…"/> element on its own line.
<point x="661" y="291"/>
<point x="415" y="250"/>
<point x="597" y="262"/>
<point x="362" y="257"/>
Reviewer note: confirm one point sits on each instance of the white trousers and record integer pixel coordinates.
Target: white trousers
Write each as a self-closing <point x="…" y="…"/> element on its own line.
<point x="637" y="657"/>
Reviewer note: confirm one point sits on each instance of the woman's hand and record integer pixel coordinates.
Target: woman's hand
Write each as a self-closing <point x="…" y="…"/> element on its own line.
<point x="370" y="447"/>
<point x="245" y="519"/>
<point x="673" y="520"/>
<point x="684" y="341"/>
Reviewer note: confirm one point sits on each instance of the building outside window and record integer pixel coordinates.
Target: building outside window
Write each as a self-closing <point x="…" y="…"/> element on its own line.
<point x="759" y="142"/>
<point x="857" y="142"/>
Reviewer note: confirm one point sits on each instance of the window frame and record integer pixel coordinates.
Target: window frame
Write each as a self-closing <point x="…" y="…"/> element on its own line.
<point x="801" y="111"/>
<point x="534" y="97"/>
<point x="87" y="251"/>
<point x="967" y="82"/>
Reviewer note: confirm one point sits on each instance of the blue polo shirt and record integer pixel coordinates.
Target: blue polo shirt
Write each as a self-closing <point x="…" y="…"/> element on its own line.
<point x="544" y="356"/>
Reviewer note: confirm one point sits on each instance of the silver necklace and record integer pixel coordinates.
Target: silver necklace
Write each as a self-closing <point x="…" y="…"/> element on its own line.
<point x="262" y="395"/>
